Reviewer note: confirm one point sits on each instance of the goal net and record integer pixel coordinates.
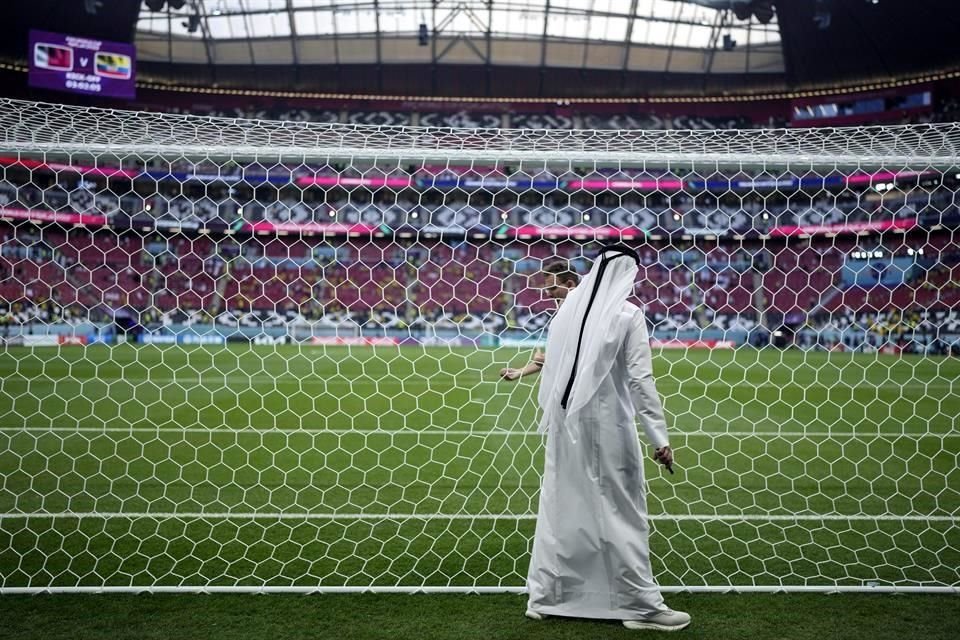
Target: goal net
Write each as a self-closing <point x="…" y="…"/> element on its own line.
<point x="254" y="355"/>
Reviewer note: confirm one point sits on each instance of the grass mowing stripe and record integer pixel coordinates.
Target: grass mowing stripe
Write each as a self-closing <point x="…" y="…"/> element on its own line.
<point x="351" y="616"/>
<point x="745" y="517"/>
<point x="501" y="433"/>
<point x="379" y="472"/>
<point x="794" y="468"/>
<point x="476" y="552"/>
<point x="446" y="382"/>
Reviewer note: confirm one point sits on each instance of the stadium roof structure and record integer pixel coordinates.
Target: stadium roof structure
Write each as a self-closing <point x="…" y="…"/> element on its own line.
<point x="514" y="49"/>
<point x="629" y="35"/>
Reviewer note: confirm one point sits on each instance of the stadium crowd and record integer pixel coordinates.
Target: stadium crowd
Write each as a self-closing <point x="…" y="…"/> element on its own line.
<point x="851" y="291"/>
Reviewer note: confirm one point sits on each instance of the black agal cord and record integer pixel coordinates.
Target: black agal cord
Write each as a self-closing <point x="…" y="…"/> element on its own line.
<point x="618" y="251"/>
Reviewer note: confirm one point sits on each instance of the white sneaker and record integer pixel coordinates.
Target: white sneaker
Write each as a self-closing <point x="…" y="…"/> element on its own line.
<point x="535" y="615"/>
<point x="664" y="621"/>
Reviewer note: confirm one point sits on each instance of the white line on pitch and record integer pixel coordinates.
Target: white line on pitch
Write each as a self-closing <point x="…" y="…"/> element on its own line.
<point x="464" y="516"/>
<point x="460" y="433"/>
<point x="421" y="589"/>
<point x="314" y="379"/>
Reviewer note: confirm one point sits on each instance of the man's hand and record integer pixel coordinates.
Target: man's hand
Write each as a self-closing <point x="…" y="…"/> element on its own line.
<point x="534" y="366"/>
<point x="510" y="374"/>
<point x="664" y="455"/>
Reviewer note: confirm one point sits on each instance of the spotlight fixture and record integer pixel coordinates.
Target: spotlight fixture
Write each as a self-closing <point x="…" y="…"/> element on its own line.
<point x="192" y="25"/>
<point x="822" y="16"/>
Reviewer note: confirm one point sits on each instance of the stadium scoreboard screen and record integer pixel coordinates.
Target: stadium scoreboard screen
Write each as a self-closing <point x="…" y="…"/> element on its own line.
<point x="82" y="65"/>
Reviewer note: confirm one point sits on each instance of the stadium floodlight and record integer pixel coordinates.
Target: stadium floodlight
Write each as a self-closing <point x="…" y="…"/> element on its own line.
<point x="192" y="23"/>
<point x="822" y="16"/>
<point x="742" y="9"/>
<point x="763" y="11"/>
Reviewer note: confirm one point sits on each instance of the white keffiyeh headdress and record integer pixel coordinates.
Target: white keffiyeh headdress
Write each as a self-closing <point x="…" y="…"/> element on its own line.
<point x="585" y="336"/>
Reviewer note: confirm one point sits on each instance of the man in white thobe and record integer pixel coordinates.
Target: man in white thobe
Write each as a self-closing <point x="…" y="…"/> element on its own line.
<point x="591" y="556"/>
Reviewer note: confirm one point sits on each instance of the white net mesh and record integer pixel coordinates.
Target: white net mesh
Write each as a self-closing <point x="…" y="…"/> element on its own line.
<point x="272" y="349"/>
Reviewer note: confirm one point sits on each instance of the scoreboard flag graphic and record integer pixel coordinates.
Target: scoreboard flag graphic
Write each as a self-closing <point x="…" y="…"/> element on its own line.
<point x="82" y="65"/>
<point x="113" y="65"/>
<point x="51" y="56"/>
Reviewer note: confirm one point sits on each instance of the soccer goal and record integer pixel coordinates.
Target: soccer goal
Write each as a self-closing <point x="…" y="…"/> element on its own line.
<point x="265" y="356"/>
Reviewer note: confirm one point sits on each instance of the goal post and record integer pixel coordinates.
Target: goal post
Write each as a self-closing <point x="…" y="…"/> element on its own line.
<point x="257" y="356"/>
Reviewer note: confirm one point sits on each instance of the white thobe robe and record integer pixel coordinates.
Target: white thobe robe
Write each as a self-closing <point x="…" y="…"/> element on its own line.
<point x="591" y="556"/>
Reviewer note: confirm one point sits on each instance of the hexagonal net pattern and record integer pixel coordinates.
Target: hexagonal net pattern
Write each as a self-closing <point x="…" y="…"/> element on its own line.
<point x="252" y="355"/>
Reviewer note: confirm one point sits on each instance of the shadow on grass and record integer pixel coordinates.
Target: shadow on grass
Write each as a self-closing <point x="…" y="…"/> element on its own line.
<point x="489" y="617"/>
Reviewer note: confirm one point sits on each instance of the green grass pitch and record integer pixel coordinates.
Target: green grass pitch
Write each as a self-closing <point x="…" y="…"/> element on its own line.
<point x="358" y="466"/>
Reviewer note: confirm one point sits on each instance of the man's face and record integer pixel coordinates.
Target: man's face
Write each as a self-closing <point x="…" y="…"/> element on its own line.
<point x="556" y="289"/>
